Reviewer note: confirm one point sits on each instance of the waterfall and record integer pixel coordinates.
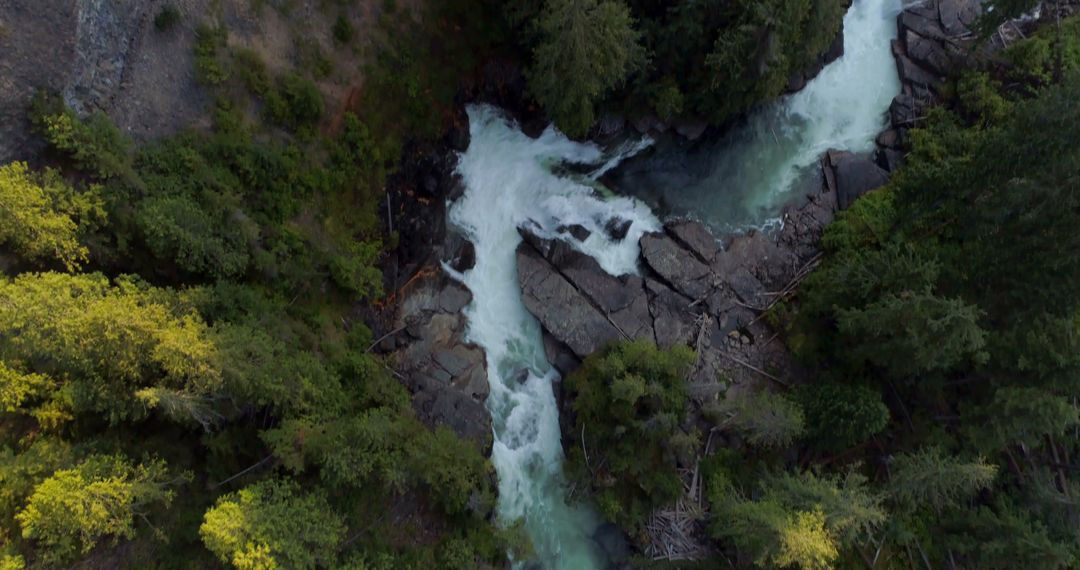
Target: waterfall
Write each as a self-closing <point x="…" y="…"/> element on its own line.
<point x="510" y="180"/>
<point x="746" y="176"/>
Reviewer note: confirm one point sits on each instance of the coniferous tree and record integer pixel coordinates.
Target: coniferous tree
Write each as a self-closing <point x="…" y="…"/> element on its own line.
<point x="586" y="48"/>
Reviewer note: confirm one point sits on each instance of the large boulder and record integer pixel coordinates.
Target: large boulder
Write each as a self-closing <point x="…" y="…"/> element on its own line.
<point x="694" y="236"/>
<point x="446" y="375"/>
<point x="560" y="307"/>
<point x="676" y="265"/>
<point x="622" y="300"/>
<point x="855" y="175"/>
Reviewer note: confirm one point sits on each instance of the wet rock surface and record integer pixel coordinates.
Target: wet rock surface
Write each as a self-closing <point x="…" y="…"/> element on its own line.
<point x="446" y="375"/>
<point x="691" y="291"/>
<point x="936" y="38"/>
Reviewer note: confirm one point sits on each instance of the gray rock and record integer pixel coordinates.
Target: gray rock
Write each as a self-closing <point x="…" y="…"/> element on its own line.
<point x="578" y="231"/>
<point x="454" y="297"/>
<point x="452" y="361"/>
<point x="560" y="356"/>
<point x="464" y="415"/>
<point x="673" y="322"/>
<point x="911" y="73"/>
<point x="958" y="16"/>
<point x="927" y="53"/>
<point x="855" y="176"/>
<point x="691" y="130"/>
<point x="561" y="309"/>
<point x="902" y="110"/>
<point x="746" y="286"/>
<point x="914" y="20"/>
<point x="613" y="542"/>
<point x="676" y="265"/>
<point x="617" y="228"/>
<point x="464" y="257"/>
<point x="889" y="138"/>
<point x="695" y="237"/>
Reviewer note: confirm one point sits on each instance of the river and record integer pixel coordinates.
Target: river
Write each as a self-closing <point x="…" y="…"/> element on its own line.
<point x="739" y="180"/>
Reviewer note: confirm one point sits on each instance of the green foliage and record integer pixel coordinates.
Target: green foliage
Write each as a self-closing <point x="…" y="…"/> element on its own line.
<point x="103" y="342"/>
<point x="249" y="66"/>
<point x="355" y="270"/>
<point x="914" y="333"/>
<point x="841" y="415"/>
<point x="42" y="217"/>
<point x="587" y="48"/>
<point x="209" y="68"/>
<point x="764" y="418"/>
<point x="75" y="509"/>
<point x="930" y="479"/>
<point x="980" y="100"/>
<point x="1022" y="415"/>
<point x="95" y="145"/>
<point x="343" y="30"/>
<point x="177" y="228"/>
<point x="628" y="402"/>
<point x="167" y="18"/>
<point x="792" y="520"/>
<point x="22" y="469"/>
<point x="1005" y="537"/>
<point x="272" y="524"/>
<point x="295" y="103"/>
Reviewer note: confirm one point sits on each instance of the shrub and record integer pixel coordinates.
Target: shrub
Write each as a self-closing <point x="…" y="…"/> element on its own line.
<point x="343" y="30"/>
<point x="167" y="18"/>
<point x="208" y="66"/>
<point x="295" y="103"/>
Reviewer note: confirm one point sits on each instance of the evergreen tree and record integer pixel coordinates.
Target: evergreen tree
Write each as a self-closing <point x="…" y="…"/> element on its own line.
<point x="914" y="333"/>
<point x="930" y="479"/>
<point x="629" y="400"/>
<point x="587" y="47"/>
<point x="765" y="418"/>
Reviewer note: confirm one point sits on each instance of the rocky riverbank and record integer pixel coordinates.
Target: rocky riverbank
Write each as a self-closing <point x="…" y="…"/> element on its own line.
<point x="694" y="288"/>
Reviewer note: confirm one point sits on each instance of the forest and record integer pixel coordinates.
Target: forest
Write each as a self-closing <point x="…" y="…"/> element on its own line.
<point x="188" y="373"/>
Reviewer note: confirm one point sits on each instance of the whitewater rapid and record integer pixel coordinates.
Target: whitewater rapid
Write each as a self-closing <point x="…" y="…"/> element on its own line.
<point x="511" y="180"/>
<point x="745" y="177"/>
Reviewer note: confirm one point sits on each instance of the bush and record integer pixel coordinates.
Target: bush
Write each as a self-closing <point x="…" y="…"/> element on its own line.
<point x="95" y="145"/>
<point x="199" y="241"/>
<point x="343" y="30"/>
<point x="295" y="103"/>
<point x="167" y="18"/>
<point x="209" y="69"/>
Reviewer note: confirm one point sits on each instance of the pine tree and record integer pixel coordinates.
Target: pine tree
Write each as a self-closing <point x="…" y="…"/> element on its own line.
<point x="764" y="418"/>
<point x="914" y="333"/>
<point x="587" y="47"/>
<point x="929" y="479"/>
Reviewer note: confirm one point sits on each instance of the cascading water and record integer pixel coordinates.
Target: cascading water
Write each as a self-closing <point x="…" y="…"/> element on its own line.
<point x="510" y="180"/>
<point x="746" y="176"/>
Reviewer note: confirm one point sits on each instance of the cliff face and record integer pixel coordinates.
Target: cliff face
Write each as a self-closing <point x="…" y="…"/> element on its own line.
<point x="109" y="56"/>
<point x="100" y="55"/>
